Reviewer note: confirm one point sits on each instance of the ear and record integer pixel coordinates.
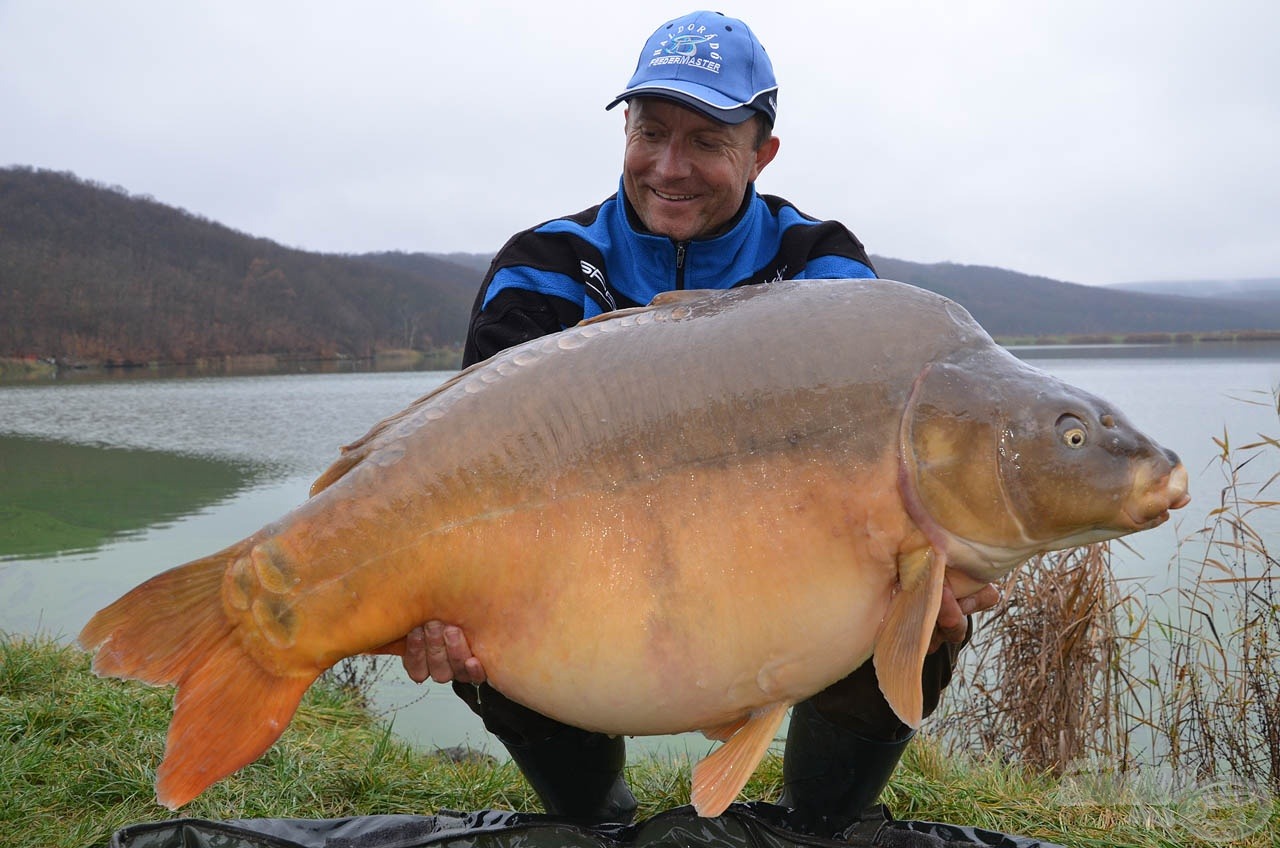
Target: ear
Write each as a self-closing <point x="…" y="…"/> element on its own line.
<point x="765" y="154"/>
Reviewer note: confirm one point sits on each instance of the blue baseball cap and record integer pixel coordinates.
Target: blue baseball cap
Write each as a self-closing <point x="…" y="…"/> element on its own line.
<point x="708" y="62"/>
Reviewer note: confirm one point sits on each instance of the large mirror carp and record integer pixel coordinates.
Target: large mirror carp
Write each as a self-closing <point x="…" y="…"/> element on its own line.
<point x="687" y="516"/>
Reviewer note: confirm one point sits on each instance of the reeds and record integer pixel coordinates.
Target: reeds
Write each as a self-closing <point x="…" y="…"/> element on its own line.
<point x="1217" y="702"/>
<point x="1167" y="702"/>
<point x="1039" y="687"/>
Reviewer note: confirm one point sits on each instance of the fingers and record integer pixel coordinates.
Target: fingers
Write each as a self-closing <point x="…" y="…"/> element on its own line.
<point x="463" y="667"/>
<point x="983" y="599"/>
<point x="952" y="624"/>
<point x="953" y="621"/>
<point x="440" y="652"/>
<point x="415" y="655"/>
<point x="439" y="663"/>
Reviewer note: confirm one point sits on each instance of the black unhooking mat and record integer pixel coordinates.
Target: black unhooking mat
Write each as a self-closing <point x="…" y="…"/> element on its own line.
<point x="753" y="825"/>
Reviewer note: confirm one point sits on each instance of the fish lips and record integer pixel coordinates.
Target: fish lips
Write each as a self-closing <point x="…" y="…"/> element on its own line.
<point x="1151" y="502"/>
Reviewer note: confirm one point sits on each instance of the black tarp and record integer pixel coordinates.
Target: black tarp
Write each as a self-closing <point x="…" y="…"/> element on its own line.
<point x="755" y="825"/>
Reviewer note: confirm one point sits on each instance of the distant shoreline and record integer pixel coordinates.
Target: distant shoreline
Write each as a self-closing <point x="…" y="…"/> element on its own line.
<point x="15" y="369"/>
<point x="1229" y="336"/>
<point x="33" y="369"/>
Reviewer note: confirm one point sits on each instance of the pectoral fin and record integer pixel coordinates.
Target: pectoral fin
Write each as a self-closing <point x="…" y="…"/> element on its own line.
<point x="719" y="778"/>
<point x="907" y="629"/>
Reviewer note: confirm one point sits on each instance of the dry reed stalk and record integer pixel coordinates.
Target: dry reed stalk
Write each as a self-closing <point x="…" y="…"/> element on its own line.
<point x="1218" y="705"/>
<point x="1040" y="684"/>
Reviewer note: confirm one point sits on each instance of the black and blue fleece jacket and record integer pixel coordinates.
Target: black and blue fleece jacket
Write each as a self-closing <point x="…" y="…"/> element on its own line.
<point x="556" y="274"/>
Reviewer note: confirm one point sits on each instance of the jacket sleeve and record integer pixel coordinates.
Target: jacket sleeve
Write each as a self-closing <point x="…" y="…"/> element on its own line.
<point x="512" y="317"/>
<point x="836" y="268"/>
<point x="531" y="290"/>
<point x="813" y="249"/>
<point x="833" y="252"/>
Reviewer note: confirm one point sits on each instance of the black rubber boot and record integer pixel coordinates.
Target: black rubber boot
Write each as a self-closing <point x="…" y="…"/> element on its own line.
<point x="832" y="775"/>
<point x="579" y="775"/>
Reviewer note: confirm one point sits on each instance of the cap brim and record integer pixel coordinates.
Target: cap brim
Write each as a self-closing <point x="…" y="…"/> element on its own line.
<point x="734" y="113"/>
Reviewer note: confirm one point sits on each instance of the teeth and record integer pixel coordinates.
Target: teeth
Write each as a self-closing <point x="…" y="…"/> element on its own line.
<point x="673" y="196"/>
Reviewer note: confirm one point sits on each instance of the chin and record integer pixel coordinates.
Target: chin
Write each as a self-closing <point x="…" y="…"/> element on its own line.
<point x="678" y="229"/>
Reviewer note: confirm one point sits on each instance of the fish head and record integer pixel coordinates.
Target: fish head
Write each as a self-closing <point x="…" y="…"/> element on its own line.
<point x="1001" y="461"/>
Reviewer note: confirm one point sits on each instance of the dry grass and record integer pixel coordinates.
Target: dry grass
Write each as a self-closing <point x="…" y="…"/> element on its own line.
<point x="1039" y="687"/>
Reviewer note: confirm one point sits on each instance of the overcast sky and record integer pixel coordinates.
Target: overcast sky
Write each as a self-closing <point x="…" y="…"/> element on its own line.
<point x="1086" y="141"/>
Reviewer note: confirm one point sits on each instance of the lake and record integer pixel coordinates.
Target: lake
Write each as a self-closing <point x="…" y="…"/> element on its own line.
<point x="105" y="483"/>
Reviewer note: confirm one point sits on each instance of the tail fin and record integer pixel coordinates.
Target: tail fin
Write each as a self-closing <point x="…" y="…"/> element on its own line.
<point x="173" y="629"/>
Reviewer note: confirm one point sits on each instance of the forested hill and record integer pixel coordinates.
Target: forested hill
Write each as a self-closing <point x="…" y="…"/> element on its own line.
<point x="1013" y="305"/>
<point x="90" y="272"/>
<point x="1010" y="304"/>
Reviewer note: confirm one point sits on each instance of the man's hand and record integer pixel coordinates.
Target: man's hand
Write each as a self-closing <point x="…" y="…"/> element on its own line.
<point x="953" y="624"/>
<point x="440" y="651"/>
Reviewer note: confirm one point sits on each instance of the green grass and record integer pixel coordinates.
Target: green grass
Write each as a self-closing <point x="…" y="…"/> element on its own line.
<point x="77" y="755"/>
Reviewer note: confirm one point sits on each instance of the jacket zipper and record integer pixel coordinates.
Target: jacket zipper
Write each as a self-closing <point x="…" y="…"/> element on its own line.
<point x="680" y="248"/>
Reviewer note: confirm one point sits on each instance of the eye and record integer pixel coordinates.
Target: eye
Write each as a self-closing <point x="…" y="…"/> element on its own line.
<point x="1072" y="432"/>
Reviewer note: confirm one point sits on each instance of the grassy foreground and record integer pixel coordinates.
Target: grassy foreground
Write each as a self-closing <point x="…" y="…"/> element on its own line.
<point x="77" y="756"/>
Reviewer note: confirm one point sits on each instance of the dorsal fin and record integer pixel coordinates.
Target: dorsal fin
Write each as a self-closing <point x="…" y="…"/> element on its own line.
<point x="660" y="301"/>
<point x="667" y="298"/>
<point x="353" y="453"/>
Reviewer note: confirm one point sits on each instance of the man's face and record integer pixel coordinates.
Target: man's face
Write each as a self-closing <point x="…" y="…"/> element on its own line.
<point x="684" y="173"/>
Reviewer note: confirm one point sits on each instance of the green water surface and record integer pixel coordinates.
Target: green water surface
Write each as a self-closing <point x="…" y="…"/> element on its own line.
<point x="58" y="498"/>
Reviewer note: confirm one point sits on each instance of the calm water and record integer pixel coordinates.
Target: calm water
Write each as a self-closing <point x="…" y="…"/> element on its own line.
<point x="163" y="471"/>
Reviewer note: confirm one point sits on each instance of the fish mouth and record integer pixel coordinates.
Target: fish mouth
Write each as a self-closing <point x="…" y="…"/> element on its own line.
<point x="1154" y="499"/>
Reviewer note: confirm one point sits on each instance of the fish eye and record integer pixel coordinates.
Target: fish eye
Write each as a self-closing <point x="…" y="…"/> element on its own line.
<point x="1072" y="432"/>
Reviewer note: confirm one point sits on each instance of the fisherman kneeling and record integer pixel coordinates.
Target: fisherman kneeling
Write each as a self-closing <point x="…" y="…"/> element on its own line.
<point x="699" y="118"/>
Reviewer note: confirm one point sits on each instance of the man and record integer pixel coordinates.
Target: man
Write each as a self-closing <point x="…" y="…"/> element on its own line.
<point x="699" y="118"/>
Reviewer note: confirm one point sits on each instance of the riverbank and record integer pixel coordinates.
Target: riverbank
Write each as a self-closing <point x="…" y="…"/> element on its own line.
<point x="35" y="370"/>
<point x="1228" y="337"/>
<point x="81" y="752"/>
<point x="32" y="369"/>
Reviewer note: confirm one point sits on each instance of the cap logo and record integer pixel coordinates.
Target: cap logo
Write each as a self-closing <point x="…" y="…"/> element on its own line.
<point x="682" y="48"/>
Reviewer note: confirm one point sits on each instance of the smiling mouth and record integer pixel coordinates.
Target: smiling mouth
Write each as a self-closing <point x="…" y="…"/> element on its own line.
<point x="672" y="197"/>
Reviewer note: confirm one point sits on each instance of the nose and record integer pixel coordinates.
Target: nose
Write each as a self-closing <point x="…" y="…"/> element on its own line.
<point x="672" y="162"/>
